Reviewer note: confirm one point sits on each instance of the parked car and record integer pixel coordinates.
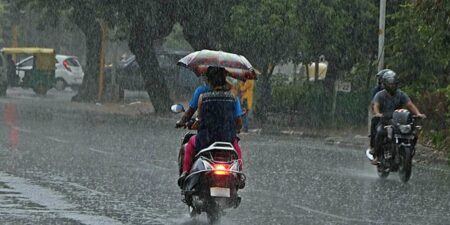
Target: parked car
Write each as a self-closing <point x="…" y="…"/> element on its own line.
<point x="68" y="71"/>
<point x="129" y="74"/>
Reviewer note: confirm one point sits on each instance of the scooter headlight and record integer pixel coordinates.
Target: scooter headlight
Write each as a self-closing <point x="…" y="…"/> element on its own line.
<point x="405" y="129"/>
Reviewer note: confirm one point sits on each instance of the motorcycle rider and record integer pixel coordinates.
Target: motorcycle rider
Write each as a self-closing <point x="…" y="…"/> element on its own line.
<point x="375" y="120"/>
<point x="219" y="117"/>
<point x="386" y="102"/>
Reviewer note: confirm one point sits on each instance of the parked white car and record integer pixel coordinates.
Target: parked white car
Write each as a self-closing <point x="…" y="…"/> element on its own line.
<point x="68" y="71"/>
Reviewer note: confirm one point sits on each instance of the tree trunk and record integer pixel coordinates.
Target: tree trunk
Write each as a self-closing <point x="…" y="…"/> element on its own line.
<point x="89" y="87"/>
<point x="141" y="44"/>
<point x="263" y="94"/>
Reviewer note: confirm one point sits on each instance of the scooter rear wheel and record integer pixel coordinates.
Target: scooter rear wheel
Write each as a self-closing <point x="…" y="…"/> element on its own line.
<point x="192" y="212"/>
<point x="213" y="214"/>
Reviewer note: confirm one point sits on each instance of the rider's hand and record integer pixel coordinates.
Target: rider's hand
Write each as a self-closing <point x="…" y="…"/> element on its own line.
<point x="195" y="125"/>
<point x="378" y="115"/>
<point x="180" y="123"/>
<point x="422" y="116"/>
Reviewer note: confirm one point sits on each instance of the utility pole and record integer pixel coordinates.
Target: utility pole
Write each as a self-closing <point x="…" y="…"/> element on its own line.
<point x="381" y="32"/>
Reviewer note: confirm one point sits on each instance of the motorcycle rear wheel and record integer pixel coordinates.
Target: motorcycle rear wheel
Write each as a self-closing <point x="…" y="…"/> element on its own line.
<point x="404" y="171"/>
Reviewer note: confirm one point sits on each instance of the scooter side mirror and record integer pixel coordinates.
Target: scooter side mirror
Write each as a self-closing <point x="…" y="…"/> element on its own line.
<point x="177" y="108"/>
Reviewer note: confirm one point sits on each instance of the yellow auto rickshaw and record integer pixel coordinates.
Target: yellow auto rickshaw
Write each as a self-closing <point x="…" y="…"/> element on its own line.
<point x="42" y="75"/>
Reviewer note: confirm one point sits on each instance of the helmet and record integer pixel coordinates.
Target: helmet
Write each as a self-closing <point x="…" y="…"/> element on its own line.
<point x="390" y="82"/>
<point x="380" y="75"/>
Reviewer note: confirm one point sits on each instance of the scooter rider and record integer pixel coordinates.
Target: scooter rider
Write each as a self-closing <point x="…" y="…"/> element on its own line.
<point x="219" y="117"/>
<point x="386" y="102"/>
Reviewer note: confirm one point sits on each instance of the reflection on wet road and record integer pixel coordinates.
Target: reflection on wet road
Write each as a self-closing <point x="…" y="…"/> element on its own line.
<point x="72" y="167"/>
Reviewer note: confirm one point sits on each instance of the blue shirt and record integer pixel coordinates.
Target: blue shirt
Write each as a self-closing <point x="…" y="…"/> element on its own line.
<point x="205" y="88"/>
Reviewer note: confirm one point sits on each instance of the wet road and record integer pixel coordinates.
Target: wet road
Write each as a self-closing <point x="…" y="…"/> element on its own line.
<point x="60" y="165"/>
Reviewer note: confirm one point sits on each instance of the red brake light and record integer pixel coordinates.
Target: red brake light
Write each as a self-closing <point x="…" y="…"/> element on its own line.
<point x="66" y="65"/>
<point x="221" y="169"/>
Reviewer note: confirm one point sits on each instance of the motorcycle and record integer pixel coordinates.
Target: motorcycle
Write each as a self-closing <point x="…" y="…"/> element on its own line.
<point x="399" y="144"/>
<point x="214" y="179"/>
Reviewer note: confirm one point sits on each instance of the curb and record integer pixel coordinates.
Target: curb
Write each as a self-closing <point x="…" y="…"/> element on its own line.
<point x="426" y="156"/>
<point x="328" y="138"/>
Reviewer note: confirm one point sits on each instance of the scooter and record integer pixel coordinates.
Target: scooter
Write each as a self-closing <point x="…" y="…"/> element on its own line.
<point x="214" y="179"/>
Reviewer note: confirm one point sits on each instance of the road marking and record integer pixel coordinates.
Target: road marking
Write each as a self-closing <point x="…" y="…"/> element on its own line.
<point x="341" y="217"/>
<point x="51" y="202"/>
<point x="23" y="130"/>
<point x="57" y="140"/>
<point x="310" y="210"/>
<point x="99" y="151"/>
<point x="87" y="189"/>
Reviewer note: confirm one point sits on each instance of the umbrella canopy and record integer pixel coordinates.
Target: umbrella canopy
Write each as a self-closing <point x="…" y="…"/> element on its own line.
<point x="237" y="65"/>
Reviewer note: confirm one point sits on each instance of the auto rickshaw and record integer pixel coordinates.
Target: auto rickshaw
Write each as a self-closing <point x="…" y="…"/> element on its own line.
<point x="40" y="78"/>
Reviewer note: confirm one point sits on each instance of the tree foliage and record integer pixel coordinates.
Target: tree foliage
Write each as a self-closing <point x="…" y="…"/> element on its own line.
<point x="343" y="31"/>
<point x="419" y="50"/>
<point x="204" y="22"/>
<point x="419" y="44"/>
<point x="265" y="32"/>
<point x="270" y="32"/>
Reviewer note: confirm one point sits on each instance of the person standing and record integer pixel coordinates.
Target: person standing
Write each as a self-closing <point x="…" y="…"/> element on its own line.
<point x="246" y="89"/>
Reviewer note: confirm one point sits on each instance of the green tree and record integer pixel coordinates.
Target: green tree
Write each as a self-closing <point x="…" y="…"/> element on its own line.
<point x="148" y="23"/>
<point x="345" y="32"/>
<point x="86" y="15"/>
<point x="270" y="32"/>
<point x="204" y="22"/>
<point x="419" y="50"/>
<point x="419" y="44"/>
<point x="265" y="32"/>
<point x="143" y="23"/>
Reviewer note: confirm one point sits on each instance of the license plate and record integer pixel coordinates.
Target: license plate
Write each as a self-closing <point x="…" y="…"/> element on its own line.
<point x="220" y="192"/>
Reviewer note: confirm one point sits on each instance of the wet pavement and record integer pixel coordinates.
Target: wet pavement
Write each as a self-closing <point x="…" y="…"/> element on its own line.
<point x="63" y="163"/>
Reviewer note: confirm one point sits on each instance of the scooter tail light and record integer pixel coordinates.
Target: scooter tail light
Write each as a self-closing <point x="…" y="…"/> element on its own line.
<point x="221" y="170"/>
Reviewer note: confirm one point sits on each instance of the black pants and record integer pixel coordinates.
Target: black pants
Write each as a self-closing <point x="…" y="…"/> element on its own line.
<point x="380" y="135"/>
<point x="373" y="130"/>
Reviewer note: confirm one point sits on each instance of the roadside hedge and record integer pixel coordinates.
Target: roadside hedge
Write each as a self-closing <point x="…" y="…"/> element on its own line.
<point x="310" y="105"/>
<point x="436" y="105"/>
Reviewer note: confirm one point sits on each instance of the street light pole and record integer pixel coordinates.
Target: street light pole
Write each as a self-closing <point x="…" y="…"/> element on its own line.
<point x="381" y="32"/>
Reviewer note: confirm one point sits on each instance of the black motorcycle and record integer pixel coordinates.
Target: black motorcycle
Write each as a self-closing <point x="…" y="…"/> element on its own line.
<point x="214" y="179"/>
<point x="399" y="144"/>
